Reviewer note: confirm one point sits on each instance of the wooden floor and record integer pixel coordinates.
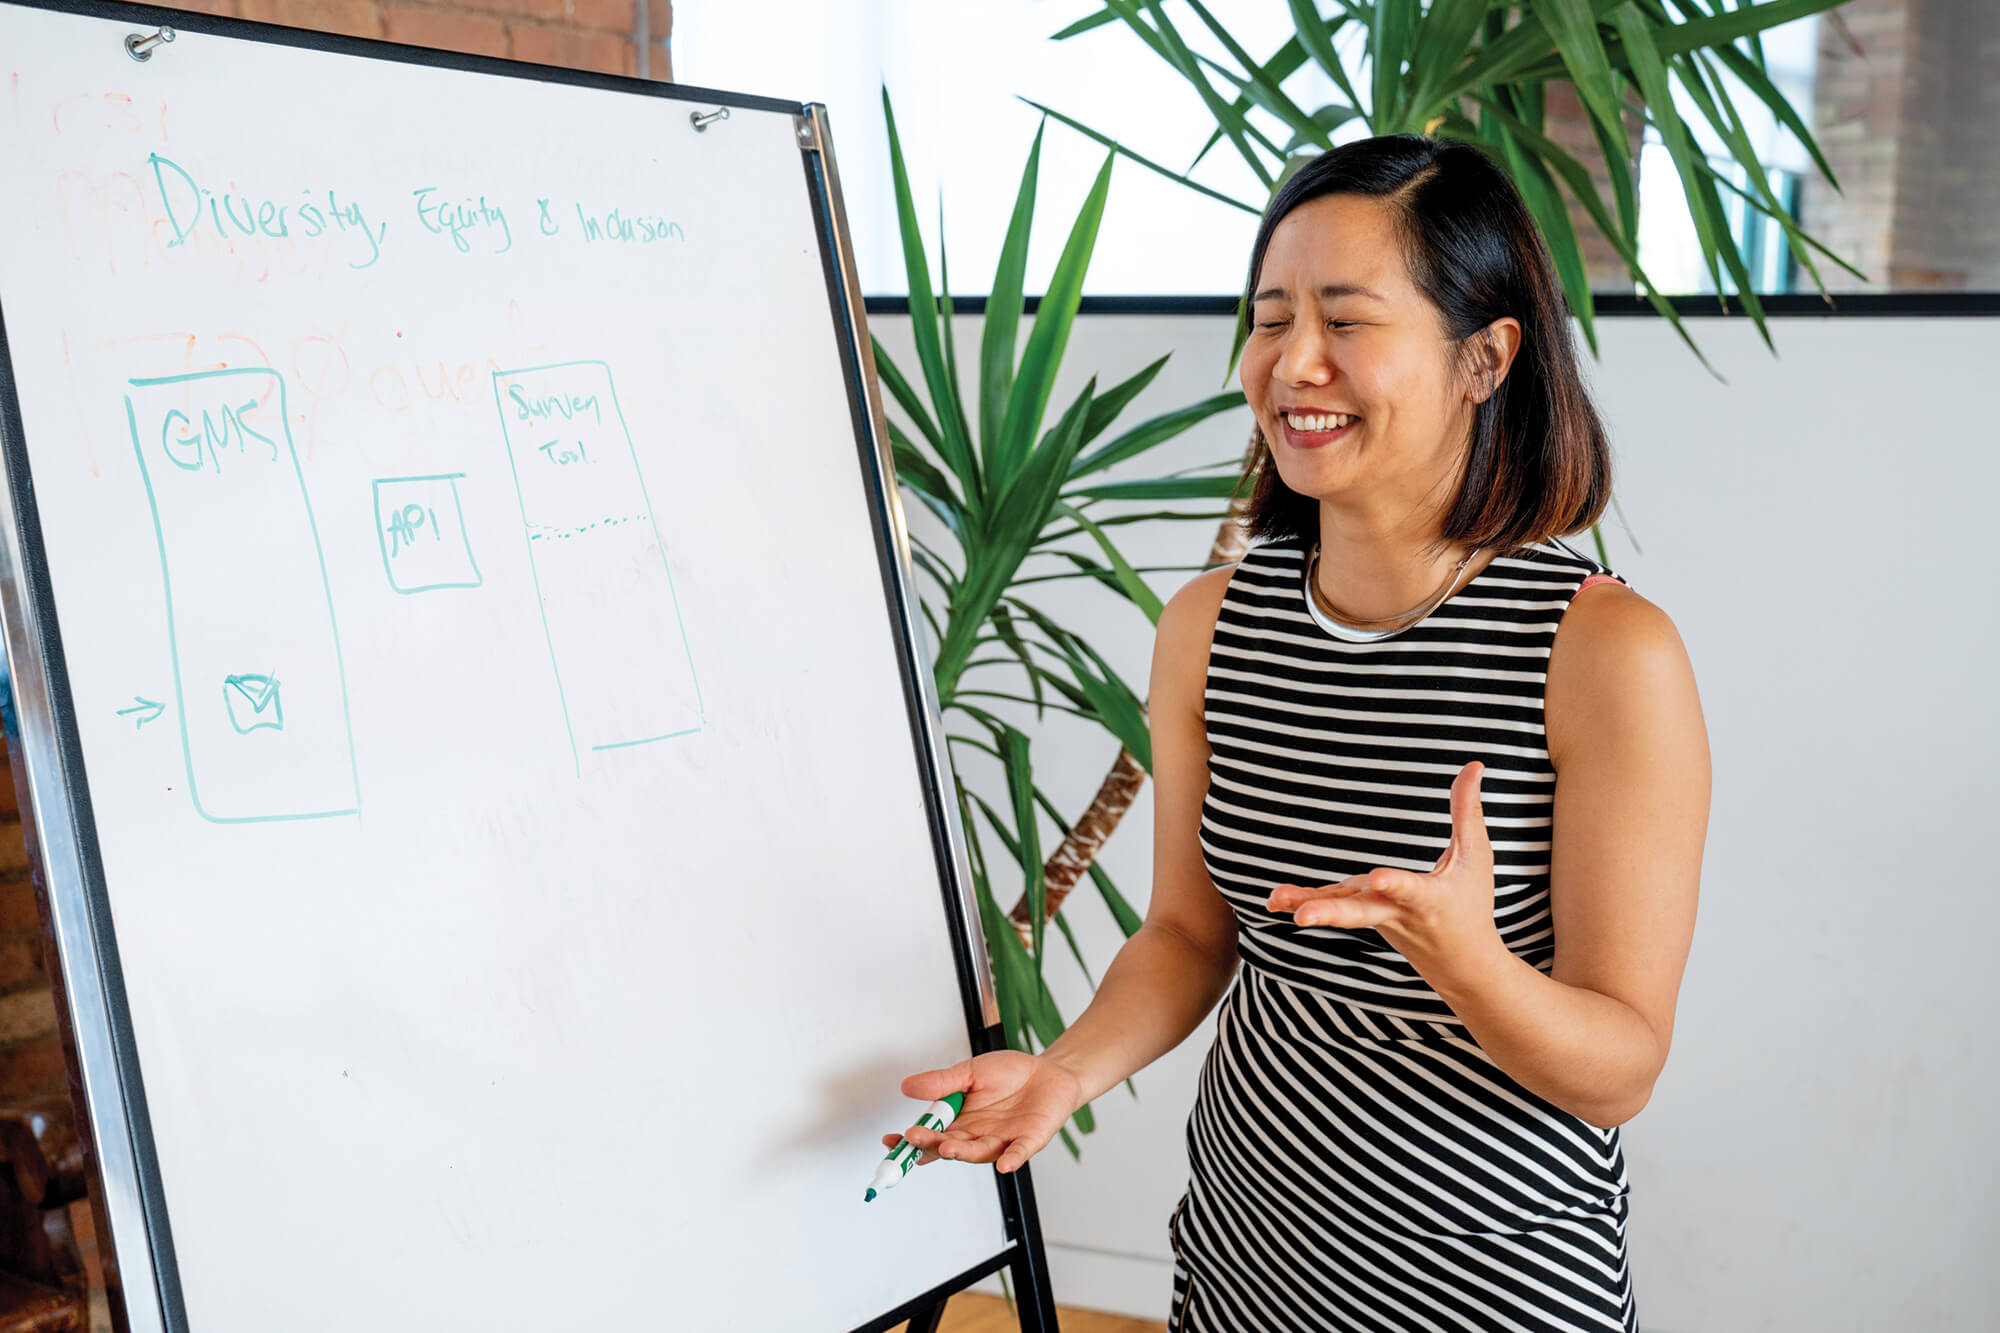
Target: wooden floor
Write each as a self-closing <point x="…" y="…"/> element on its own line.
<point x="976" y="1312"/>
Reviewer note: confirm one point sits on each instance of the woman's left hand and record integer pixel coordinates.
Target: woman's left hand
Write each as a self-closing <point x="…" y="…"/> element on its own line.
<point x="1445" y="914"/>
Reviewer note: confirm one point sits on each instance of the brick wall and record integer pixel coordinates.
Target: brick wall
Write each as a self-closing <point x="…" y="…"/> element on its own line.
<point x="608" y="36"/>
<point x="1567" y="125"/>
<point x="31" y="1058"/>
<point x="1908" y="114"/>
<point x="1946" y="232"/>
<point x="1858" y="116"/>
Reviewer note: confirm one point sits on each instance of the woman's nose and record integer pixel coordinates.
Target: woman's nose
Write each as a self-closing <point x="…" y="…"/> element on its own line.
<point x="1303" y="360"/>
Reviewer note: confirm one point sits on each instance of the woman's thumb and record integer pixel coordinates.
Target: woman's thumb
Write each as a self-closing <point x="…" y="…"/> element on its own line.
<point x="935" y="1083"/>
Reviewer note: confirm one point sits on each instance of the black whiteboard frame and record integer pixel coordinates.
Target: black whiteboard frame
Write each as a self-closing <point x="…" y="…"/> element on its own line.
<point x="38" y="716"/>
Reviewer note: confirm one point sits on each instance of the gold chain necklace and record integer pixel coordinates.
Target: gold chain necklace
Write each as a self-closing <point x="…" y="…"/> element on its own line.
<point x="1408" y="618"/>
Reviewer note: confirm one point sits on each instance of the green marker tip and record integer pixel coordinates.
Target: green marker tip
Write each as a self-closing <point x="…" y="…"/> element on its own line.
<point x="870" y="1198"/>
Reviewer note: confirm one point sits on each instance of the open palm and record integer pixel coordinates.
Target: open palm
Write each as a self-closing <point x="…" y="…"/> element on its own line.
<point x="1014" y="1104"/>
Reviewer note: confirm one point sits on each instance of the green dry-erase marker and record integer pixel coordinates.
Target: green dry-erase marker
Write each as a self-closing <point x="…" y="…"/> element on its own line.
<point x="938" y="1116"/>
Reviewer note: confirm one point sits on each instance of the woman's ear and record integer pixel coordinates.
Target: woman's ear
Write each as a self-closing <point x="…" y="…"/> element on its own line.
<point x="1493" y="349"/>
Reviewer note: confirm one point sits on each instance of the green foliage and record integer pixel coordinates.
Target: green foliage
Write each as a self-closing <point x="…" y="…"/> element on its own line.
<point x="1431" y="68"/>
<point x="1010" y="493"/>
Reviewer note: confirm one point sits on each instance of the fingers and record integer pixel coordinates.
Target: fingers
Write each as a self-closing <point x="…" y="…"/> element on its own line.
<point x="935" y="1083"/>
<point x="1356" y="903"/>
<point x="1287" y="897"/>
<point x="963" y="1146"/>
<point x="1016" y="1155"/>
<point x="952" y="1143"/>
<point x="1382" y="885"/>
<point x="1469" y="839"/>
<point x="1359" y="911"/>
<point x="932" y="1142"/>
<point x="891" y="1140"/>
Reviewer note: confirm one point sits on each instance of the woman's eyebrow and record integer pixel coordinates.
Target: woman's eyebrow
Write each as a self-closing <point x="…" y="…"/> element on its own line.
<point x="1326" y="293"/>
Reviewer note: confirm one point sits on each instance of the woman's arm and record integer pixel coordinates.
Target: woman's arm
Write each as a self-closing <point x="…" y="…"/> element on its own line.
<point x="1630" y="751"/>
<point x="1174" y="968"/>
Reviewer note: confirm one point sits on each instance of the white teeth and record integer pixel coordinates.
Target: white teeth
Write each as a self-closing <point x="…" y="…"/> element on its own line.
<point x="1329" y="421"/>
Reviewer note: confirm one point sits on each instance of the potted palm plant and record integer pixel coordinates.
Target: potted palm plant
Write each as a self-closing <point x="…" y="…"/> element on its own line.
<point x="1015" y="497"/>
<point x="1479" y="71"/>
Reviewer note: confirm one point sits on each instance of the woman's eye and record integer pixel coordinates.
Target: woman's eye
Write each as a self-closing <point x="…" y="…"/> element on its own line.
<point x="1272" y="324"/>
<point x="1341" y="323"/>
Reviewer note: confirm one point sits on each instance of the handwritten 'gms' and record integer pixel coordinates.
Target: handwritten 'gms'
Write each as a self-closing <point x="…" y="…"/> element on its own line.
<point x="194" y="209"/>
<point x="247" y="604"/>
<point x="225" y="430"/>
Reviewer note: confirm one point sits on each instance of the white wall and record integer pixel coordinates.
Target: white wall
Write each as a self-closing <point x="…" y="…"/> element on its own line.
<point x="1817" y="1156"/>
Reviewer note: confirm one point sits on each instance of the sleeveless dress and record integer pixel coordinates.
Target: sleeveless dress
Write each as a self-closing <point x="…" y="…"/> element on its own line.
<point x="1356" y="1161"/>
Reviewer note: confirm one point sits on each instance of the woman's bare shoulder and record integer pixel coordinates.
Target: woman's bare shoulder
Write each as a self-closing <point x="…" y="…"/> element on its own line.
<point x="1199" y="601"/>
<point x="1614" y="652"/>
<point x="1184" y="634"/>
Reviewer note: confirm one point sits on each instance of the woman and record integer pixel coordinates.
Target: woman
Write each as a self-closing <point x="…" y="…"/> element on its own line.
<point x="1445" y="806"/>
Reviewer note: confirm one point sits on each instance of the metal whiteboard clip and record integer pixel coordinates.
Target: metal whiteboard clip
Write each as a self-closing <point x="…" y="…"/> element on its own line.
<point x="140" y="46"/>
<point x="702" y="121"/>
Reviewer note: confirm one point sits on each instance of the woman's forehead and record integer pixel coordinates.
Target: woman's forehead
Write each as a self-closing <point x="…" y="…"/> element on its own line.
<point x="1335" y="246"/>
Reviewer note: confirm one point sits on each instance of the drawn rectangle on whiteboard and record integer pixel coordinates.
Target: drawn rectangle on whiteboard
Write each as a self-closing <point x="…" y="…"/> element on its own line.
<point x="420" y="526"/>
<point x="256" y="653"/>
<point x="623" y="667"/>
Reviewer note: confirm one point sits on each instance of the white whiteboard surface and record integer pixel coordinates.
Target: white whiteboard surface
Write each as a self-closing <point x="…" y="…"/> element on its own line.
<point x="523" y="890"/>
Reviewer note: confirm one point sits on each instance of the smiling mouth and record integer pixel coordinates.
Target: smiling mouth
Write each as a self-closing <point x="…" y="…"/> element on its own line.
<point x="1312" y="423"/>
<point x="1311" y="431"/>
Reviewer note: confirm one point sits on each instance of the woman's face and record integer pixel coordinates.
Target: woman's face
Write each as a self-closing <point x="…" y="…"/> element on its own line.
<point x="1337" y="327"/>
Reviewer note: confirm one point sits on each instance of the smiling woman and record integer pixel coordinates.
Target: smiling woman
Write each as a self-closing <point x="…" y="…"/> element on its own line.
<point x="1430" y="291"/>
<point x="1410" y="1114"/>
<point x="1445" y="809"/>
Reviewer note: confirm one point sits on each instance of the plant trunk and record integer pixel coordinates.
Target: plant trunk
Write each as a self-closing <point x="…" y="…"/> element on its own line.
<point x="1116" y="793"/>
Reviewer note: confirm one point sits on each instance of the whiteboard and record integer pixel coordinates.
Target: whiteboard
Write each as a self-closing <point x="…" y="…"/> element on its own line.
<point x="478" y="708"/>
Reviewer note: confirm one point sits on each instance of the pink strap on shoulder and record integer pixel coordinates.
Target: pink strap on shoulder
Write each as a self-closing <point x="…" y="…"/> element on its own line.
<point x="1595" y="578"/>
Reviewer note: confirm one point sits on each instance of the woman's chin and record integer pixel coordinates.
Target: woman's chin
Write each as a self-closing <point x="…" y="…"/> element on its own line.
<point x="1314" y="480"/>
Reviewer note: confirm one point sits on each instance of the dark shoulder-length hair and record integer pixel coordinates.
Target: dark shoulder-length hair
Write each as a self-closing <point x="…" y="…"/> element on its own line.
<point x="1537" y="463"/>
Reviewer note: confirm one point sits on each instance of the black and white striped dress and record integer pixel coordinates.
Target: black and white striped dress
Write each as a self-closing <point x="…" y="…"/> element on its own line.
<point x="1356" y="1161"/>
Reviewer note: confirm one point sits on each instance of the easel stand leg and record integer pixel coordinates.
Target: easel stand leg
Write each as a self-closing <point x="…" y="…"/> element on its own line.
<point x="1034" y="1296"/>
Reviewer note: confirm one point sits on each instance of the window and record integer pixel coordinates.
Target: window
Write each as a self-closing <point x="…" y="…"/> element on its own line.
<point x="1893" y="90"/>
<point x="956" y="73"/>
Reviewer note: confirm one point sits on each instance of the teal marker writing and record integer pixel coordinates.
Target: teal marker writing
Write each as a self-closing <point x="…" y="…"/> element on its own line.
<point x="937" y="1116"/>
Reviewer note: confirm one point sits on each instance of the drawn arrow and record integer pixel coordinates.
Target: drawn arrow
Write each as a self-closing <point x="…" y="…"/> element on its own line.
<point x="141" y="704"/>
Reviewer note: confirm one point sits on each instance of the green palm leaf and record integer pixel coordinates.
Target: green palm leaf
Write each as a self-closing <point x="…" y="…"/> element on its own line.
<point x="1154" y="431"/>
<point x="1128" y="578"/>
<point x="1258" y="86"/>
<point x="1163" y="488"/>
<point x="1003" y="306"/>
<point x="1114" y="400"/>
<point x="1443" y="39"/>
<point x="1316" y="35"/>
<point x="1145" y="162"/>
<point x="1578" y="180"/>
<point x="951" y="439"/>
<point x="1054" y="317"/>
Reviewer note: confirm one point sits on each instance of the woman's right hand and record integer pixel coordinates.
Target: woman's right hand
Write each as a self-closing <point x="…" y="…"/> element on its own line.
<point x="1014" y="1104"/>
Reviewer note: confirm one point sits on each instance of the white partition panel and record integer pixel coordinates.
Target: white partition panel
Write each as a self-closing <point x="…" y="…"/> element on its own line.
<point x="1820" y="527"/>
